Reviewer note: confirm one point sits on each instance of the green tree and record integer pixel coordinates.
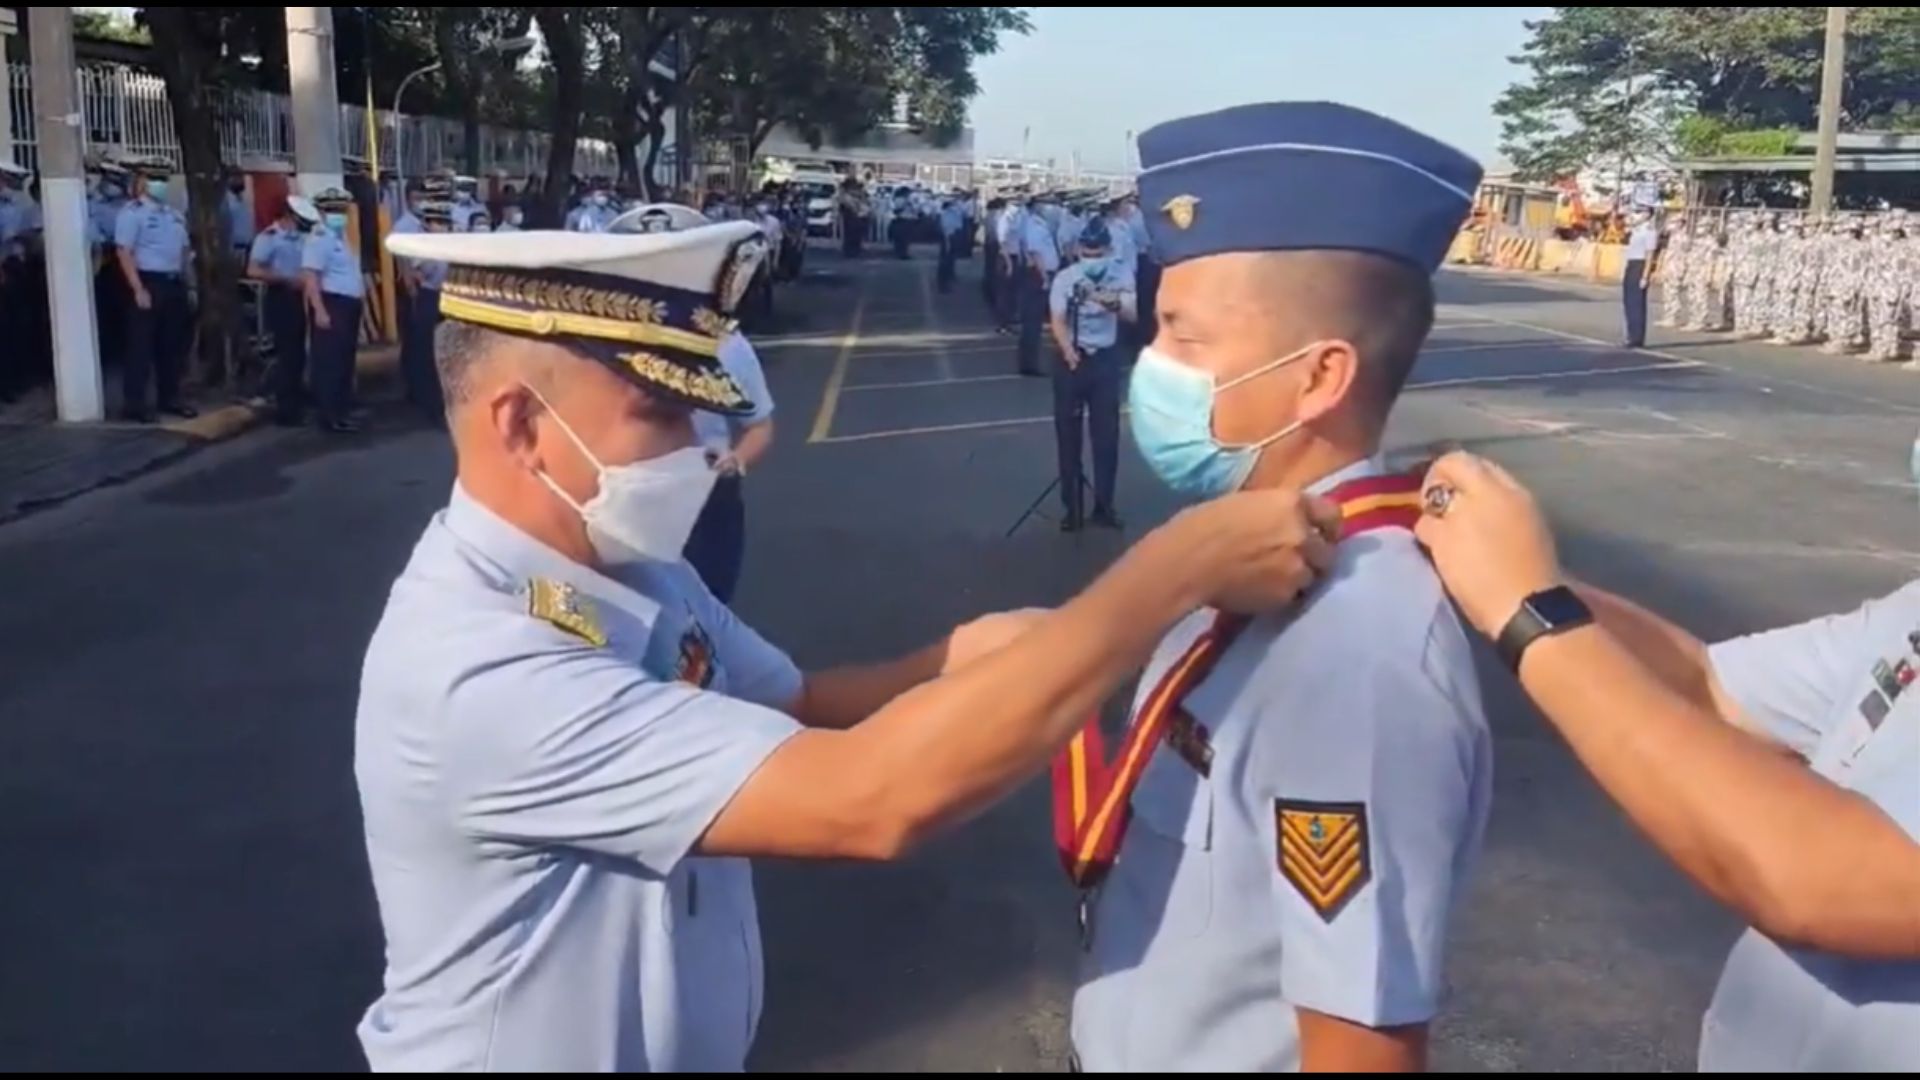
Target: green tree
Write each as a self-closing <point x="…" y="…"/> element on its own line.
<point x="1610" y="82"/>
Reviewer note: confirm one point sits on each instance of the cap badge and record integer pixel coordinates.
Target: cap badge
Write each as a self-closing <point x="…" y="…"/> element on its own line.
<point x="1181" y="210"/>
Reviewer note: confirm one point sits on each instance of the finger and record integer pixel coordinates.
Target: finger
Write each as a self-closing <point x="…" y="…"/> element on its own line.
<point x="1318" y="553"/>
<point x="1460" y="471"/>
<point x="1324" y="515"/>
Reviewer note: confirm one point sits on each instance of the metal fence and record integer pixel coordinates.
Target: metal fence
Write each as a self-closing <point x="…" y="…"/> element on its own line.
<point x="126" y="112"/>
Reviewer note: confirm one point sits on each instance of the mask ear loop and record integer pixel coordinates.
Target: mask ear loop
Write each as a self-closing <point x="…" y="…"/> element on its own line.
<point x="599" y="469"/>
<point x="1268" y="370"/>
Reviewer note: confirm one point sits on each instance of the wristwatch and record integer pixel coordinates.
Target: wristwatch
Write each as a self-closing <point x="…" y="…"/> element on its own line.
<point x="1542" y="615"/>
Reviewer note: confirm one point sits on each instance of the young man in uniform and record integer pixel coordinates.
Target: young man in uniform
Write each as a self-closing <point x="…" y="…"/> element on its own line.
<point x="335" y="291"/>
<point x="1092" y="301"/>
<point x="151" y="244"/>
<point x="567" y="749"/>
<point x="275" y="262"/>
<point x="1291" y="856"/>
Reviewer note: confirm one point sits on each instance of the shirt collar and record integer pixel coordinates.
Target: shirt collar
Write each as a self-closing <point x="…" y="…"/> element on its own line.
<point x="523" y="558"/>
<point x="1359" y="470"/>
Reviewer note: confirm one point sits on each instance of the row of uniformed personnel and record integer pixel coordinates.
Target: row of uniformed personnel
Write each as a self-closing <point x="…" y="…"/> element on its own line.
<point x="1848" y="280"/>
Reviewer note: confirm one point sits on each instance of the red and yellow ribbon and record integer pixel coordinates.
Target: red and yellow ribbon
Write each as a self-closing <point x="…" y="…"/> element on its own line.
<point x="1092" y="794"/>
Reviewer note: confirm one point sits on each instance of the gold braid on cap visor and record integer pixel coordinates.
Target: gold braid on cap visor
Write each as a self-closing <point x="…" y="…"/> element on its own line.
<point x="553" y="308"/>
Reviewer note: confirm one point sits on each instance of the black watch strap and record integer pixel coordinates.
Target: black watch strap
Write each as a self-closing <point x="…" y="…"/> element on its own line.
<point x="1544" y="614"/>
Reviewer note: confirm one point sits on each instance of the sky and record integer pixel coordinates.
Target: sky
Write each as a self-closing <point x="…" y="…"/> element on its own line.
<point x="1087" y="76"/>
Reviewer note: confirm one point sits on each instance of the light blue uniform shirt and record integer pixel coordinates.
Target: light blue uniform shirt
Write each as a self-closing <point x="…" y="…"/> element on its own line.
<point x="1835" y="692"/>
<point x="239" y="221"/>
<point x="952" y="220"/>
<point x="1099" y="326"/>
<point x="1642" y="242"/>
<point x="337" y="264"/>
<point x="103" y="217"/>
<point x="155" y="234"/>
<point x="532" y="800"/>
<point x="1037" y="243"/>
<point x="433" y="275"/>
<point x="1362" y="706"/>
<point x="588" y="218"/>
<point x="279" y="250"/>
<point x="463" y="214"/>
<point x="13" y="224"/>
<point x="1013" y="234"/>
<point x="739" y="359"/>
<point x="1124" y="250"/>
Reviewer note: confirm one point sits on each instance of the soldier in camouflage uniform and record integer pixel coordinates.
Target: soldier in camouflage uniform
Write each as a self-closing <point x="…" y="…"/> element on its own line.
<point x="1712" y="272"/>
<point x="1675" y="265"/>
<point x="1797" y="283"/>
<point x="1844" y="286"/>
<point x="1766" y="293"/>
<point x="1749" y="316"/>
<point x="1890" y="282"/>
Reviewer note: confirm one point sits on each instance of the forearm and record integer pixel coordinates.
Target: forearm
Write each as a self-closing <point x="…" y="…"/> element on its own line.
<point x="1802" y="860"/>
<point x="1061" y="335"/>
<point x="310" y="284"/>
<point x="129" y="269"/>
<point x="951" y="747"/>
<point x="840" y="698"/>
<point x="1672" y="655"/>
<point x="753" y="445"/>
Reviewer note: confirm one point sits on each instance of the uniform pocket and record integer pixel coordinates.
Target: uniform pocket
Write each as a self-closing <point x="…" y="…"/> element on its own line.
<point x="1166" y="876"/>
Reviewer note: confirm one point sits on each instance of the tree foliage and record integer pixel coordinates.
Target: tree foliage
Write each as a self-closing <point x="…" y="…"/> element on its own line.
<point x="1611" y="82"/>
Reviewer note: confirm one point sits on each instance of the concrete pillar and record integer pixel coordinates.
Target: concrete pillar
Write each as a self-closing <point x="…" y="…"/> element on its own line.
<point x="316" y="101"/>
<point x="63" y="204"/>
<point x="8" y="27"/>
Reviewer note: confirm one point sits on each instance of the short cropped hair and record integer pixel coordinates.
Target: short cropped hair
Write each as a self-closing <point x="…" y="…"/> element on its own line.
<point x="1383" y="307"/>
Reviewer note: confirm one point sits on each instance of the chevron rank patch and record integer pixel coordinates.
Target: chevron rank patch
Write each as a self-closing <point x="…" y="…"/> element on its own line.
<point x="1324" y="852"/>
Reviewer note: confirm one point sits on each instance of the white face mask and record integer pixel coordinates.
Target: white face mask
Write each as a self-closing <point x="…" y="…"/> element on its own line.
<point x="645" y="512"/>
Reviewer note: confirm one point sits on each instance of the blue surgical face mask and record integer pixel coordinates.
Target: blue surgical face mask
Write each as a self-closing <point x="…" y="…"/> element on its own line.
<point x="157" y="190"/>
<point x="338" y="223"/>
<point x="1172" y="411"/>
<point x="1096" y="266"/>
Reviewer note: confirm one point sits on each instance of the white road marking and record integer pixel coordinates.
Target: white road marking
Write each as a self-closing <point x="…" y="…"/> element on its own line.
<point x="924" y="383"/>
<point x="1544" y="376"/>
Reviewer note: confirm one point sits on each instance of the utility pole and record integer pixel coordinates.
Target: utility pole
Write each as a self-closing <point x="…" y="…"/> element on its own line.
<point x="1833" y="78"/>
<point x="63" y="199"/>
<point x="316" y="100"/>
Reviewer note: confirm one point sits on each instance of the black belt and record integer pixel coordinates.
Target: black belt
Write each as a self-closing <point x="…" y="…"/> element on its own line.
<point x="163" y="275"/>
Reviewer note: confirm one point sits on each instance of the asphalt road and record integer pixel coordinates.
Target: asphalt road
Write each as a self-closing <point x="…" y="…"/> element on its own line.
<point x="185" y="886"/>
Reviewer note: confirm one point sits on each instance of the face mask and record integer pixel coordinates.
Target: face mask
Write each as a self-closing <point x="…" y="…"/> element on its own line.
<point x="337" y="222"/>
<point x="600" y="200"/>
<point x="645" y="512"/>
<point x="1096" y="267"/>
<point x="1172" y="407"/>
<point x="157" y="190"/>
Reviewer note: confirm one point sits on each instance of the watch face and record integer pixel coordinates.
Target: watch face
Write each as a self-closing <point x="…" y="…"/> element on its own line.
<point x="1559" y="607"/>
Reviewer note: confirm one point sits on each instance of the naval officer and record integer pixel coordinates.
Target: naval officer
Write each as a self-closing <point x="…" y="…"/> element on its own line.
<point x="566" y="748"/>
<point x="1780" y="771"/>
<point x="1284" y="880"/>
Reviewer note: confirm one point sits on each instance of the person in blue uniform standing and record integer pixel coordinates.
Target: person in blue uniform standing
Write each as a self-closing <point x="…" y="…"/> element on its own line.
<point x="109" y="284"/>
<point x="596" y="213"/>
<point x="1779" y="771"/>
<point x="1091" y="302"/>
<point x="151" y="244"/>
<point x="567" y="750"/>
<point x="335" y="290"/>
<point x="953" y="222"/>
<point x="1040" y="261"/>
<point x="1286" y="863"/>
<point x="417" y="369"/>
<point x="275" y="263"/>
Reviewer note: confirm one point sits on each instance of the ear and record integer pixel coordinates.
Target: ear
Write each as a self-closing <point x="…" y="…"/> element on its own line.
<point x="1333" y="373"/>
<point x="512" y="414"/>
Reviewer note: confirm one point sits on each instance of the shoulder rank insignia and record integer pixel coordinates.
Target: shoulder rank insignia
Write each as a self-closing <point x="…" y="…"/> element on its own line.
<point x="562" y="605"/>
<point x="696" y="658"/>
<point x="1324" y="853"/>
<point x="1182" y="210"/>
